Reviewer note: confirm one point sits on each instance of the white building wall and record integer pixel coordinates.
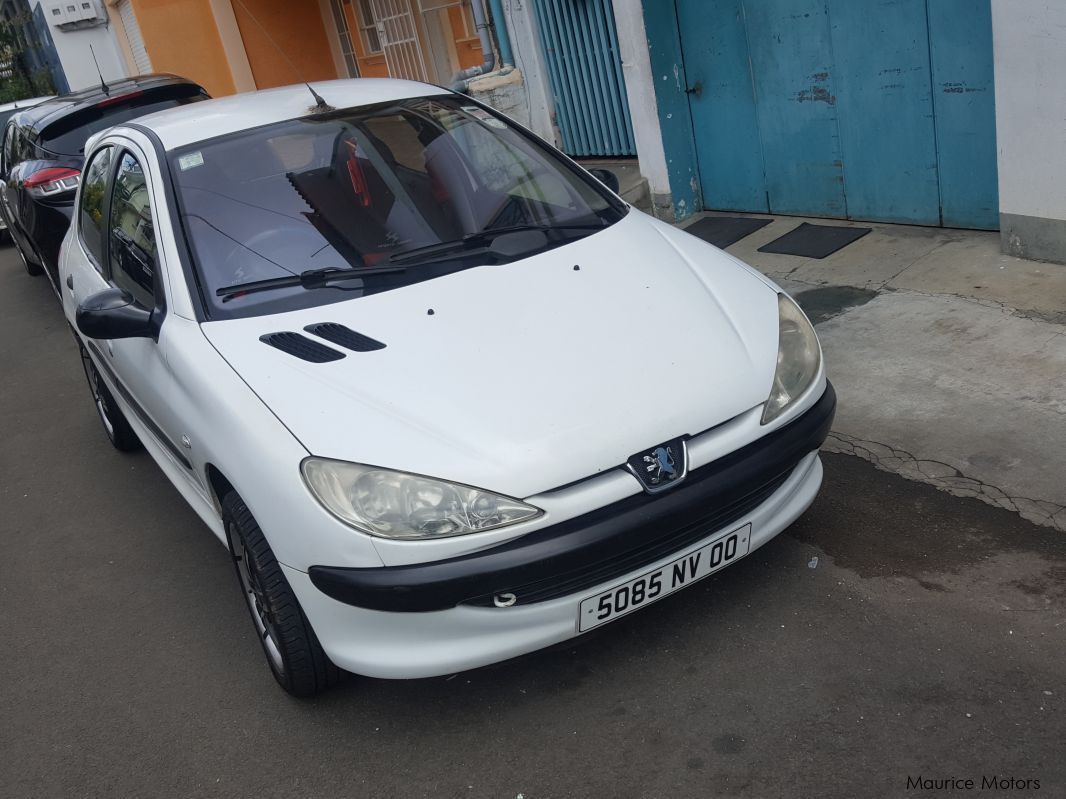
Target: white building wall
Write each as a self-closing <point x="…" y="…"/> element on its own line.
<point x="525" y="46"/>
<point x="72" y="47"/>
<point x="1030" y="64"/>
<point x="643" y="108"/>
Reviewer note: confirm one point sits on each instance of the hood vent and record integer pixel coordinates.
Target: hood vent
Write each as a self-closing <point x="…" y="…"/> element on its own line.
<point x="301" y="347"/>
<point x="344" y="337"/>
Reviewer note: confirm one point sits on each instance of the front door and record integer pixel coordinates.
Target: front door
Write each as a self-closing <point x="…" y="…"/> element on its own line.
<point x="116" y="246"/>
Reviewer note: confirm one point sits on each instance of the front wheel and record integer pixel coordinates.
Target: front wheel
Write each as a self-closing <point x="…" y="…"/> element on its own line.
<point x="115" y="425"/>
<point x="291" y="647"/>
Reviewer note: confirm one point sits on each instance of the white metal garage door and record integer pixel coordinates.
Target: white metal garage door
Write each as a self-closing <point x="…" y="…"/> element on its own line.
<point x="133" y="36"/>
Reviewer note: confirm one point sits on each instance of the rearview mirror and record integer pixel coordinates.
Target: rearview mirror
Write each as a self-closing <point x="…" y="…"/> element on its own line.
<point x="606" y="177"/>
<point x="112" y="313"/>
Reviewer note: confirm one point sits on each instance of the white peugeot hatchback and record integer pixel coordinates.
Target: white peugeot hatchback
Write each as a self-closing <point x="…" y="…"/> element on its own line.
<point x="445" y="397"/>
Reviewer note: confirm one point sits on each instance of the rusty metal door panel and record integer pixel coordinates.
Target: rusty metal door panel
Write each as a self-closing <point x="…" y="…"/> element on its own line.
<point x="883" y="96"/>
<point x="862" y="109"/>
<point x="960" y="34"/>
<point x="722" y="104"/>
<point x="795" y="100"/>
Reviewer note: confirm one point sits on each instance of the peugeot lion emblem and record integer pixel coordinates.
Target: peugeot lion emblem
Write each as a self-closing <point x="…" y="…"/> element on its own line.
<point x="660" y="467"/>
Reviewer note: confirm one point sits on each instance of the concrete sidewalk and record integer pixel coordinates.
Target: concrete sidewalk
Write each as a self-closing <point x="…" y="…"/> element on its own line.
<point x="949" y="358"/>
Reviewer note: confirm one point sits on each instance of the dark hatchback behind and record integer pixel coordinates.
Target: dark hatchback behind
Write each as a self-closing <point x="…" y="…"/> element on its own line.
<point x="43" y="151"/>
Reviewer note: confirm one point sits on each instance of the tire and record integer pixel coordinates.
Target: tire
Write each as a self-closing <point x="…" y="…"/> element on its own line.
<point x="31" y="269"/>
<point x="292" y="650"/>
<point x="118" y="430"/>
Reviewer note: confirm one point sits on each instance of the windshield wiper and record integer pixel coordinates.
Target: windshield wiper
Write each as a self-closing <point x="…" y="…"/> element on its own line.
<point x="480" y="242"/>
<point x="308" y="279"/>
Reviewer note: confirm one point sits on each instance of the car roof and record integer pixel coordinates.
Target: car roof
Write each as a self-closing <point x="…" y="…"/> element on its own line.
<point x="55" y="108"/>
<point x="184" y="125"/>
<point x="25" y="103"/>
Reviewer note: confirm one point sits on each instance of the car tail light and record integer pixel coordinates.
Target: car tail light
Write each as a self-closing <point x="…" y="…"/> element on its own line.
<point x="54" y="180"/>
<point x="119" y="98"/>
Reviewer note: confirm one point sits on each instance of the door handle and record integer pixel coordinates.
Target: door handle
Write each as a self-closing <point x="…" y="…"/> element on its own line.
<point x="696" y="89"/>
<point x="70" y="282"/>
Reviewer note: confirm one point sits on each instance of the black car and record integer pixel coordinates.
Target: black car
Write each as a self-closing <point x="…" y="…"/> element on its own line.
<point x="43" y="152"/>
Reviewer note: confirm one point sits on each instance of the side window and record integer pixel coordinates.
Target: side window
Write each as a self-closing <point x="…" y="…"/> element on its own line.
<point x="91" y="209"/>
<point x="132" y="231"/>
<point x="11" y="147"/>
<point x="503" y="167"/>
<point x="20" y="147"/>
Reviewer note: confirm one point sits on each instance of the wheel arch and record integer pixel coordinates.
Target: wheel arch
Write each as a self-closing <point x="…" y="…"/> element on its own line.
<point x="219" y="485"/>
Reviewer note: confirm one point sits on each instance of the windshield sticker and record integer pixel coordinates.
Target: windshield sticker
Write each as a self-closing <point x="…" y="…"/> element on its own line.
<point x="191" y="161"/>
<point x="484" y="116"/>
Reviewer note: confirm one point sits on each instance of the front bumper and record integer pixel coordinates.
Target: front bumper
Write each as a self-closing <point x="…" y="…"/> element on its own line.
<point x="412" y="645"/>
<point x="396" y="641"/>
<point x="597" y="547"/>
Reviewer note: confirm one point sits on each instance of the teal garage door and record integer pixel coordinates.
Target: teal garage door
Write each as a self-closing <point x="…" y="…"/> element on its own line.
<point x="860" y="109"/>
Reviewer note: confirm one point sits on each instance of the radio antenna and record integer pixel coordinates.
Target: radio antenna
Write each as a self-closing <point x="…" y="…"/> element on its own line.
<point x="103" y="83"/>
<point x="320" y="106"/>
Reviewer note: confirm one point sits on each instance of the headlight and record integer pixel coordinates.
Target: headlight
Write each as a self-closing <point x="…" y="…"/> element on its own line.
<point x="400" y="505"/>
<point x="798" y="358"/>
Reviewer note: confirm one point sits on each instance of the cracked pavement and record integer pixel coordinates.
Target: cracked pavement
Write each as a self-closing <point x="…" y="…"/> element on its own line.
<point x="949" y="358"/>
<point x="945" y="477"/>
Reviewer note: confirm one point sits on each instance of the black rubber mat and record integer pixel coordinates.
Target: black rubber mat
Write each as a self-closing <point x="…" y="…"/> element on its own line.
<point x="815" y="241"/>
<point x="721" y="231"/>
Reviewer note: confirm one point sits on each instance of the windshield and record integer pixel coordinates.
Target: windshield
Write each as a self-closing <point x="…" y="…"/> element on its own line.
<point x="355" y="189"/>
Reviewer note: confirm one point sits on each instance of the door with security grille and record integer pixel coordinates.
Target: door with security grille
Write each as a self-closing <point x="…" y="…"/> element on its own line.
<point x="398" y="35"/>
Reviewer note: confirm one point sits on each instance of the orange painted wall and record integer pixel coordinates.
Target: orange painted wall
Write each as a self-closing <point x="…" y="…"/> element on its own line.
<point x="468" y="49"/>
<point x="297" y="28"/>
<point x="181" y="37"/>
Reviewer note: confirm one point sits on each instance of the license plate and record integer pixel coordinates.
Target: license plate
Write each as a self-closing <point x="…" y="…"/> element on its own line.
<point x="709" y="558"/>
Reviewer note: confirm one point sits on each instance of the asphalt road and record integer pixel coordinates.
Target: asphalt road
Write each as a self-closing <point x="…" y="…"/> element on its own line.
<point x="895" y="631"/>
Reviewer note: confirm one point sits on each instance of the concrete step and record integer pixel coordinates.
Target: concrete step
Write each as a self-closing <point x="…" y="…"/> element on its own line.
<point x="632" y="186"/>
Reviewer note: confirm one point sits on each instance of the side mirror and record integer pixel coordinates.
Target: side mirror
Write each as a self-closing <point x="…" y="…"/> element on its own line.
<point x="606" y="177"/>
<point x="112" y="313"/>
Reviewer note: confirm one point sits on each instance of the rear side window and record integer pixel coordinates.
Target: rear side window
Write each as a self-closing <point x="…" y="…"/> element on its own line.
<point x="132" y="230"/>
<point x="91" y="211"/>
<point x="16" y="148"/>
<point x="67" y="136"/>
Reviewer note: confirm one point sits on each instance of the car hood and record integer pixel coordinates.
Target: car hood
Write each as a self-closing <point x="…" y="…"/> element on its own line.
<point x="524" y="377"/>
